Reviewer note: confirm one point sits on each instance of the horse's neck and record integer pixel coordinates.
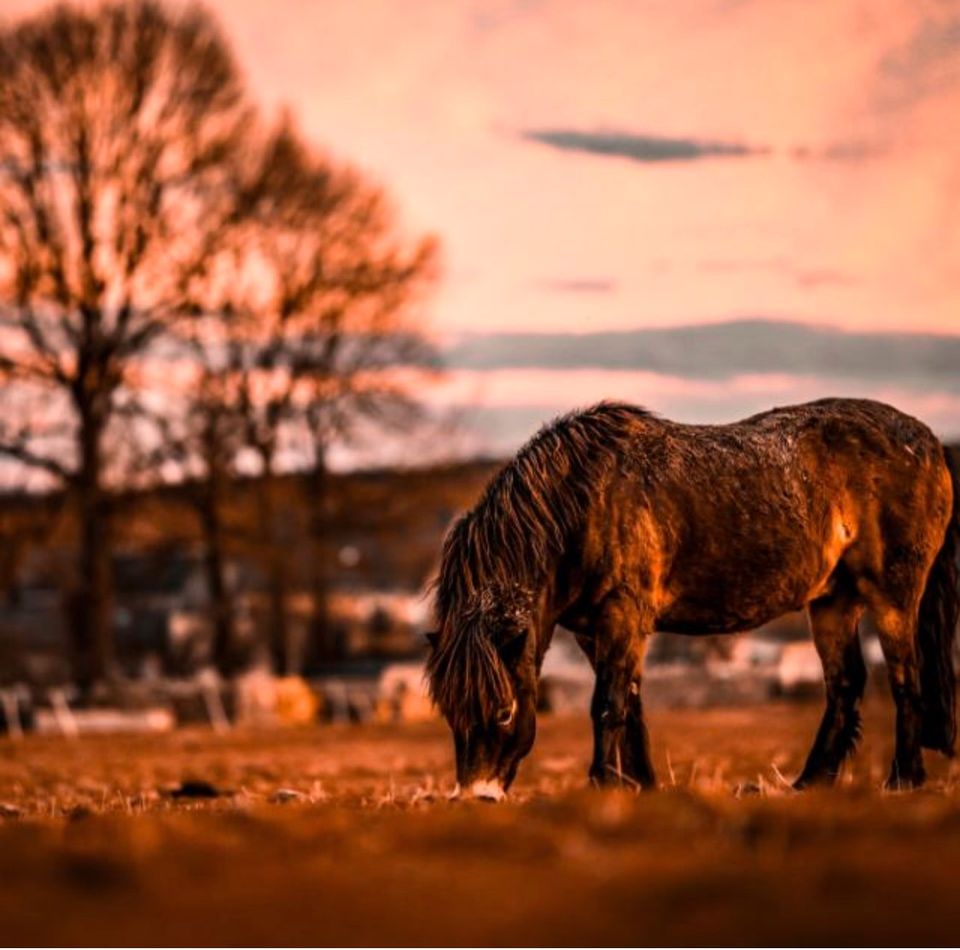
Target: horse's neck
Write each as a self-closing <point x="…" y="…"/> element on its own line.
<point x="546" y="612"/>
<point x="544" y="628"/>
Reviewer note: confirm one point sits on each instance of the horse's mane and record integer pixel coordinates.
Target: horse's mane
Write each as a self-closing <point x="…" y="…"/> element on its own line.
<point x="496" y="557"/>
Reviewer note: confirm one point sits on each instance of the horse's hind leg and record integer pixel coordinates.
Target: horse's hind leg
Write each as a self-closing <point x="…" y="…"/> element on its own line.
<point x="833" y="621"/>
<point x="897" y="629"/>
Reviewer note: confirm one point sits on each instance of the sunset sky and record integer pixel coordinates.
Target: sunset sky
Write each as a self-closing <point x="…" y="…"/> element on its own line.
<point x="624" y="166"/>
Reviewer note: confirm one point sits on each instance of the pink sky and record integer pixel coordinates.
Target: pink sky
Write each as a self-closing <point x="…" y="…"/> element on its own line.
<point x="431" y="95"/>
<point x="432" y="98"/>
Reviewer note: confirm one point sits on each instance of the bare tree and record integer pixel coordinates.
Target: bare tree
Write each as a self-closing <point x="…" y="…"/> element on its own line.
<point x="117" y="125"/>
<point x="216" y="431"/>
<point x="194" y="440"/>
<point x="322" y="288"/>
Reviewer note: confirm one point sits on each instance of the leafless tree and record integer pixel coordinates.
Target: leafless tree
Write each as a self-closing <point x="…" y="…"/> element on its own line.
<point x="322" y="333"/>
<point x="117" y="126"/>
<point x="193" y="440"/>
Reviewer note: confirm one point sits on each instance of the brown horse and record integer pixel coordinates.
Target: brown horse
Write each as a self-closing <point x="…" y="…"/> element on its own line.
<point x="617" y="524"/>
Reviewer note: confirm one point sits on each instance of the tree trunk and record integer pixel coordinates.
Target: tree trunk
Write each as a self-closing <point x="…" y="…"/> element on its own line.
<point x="90" y="607"/>
<point x="225" y="649"/>
<point x="324" y="646"/>
<point x="274" y="559"/>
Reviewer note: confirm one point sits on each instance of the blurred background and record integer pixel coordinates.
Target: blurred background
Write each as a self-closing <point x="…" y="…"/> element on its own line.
<point x="282" y="285"/>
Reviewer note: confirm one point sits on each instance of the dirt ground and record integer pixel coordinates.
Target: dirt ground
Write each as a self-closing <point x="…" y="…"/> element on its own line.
<point x="343" y="835"/>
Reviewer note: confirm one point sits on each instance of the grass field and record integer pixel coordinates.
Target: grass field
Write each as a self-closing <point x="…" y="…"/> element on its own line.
<point x="344" y="835"/>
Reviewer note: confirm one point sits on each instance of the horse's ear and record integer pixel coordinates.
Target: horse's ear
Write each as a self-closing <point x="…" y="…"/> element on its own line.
<point x="511" y="650"/>
<point x="433" y="638"/>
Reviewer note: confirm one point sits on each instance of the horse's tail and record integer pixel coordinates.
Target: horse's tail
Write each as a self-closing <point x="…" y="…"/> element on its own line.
<point x="939" y="613"/>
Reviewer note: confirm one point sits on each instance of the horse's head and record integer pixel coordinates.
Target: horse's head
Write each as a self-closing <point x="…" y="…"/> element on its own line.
<point x="483" y="676"/>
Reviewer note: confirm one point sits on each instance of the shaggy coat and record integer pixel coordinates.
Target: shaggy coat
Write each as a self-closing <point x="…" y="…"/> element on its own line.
<point x="617" y="524"/>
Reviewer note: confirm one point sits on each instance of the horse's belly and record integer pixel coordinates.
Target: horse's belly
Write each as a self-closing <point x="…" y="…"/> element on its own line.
<point x="731" y="579"/>
<point x="728" y="600"/>
<point x="696" y="619"/>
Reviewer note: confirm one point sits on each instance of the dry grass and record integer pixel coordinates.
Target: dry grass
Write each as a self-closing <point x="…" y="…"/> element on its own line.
<point x="344" y="835"/>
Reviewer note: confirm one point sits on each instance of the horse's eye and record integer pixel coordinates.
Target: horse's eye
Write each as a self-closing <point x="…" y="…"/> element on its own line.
<point x="505" y="715"/>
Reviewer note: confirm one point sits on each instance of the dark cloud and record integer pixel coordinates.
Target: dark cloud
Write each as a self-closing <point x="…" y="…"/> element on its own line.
<point x="926" y="63"/>
<point x="639" y="148"/>
<point x="933" y="42"/>
<point x="658" y="149"/>
<point x="721" y="351"/>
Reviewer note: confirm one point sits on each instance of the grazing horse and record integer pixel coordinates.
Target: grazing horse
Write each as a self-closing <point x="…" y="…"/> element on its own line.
<point x="616" y="524"/>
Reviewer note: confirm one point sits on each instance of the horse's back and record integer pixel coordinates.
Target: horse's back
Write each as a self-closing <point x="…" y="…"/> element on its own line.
<point x="747" y="521"/>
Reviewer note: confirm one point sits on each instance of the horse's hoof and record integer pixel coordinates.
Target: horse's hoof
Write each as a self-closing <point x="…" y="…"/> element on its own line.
<point x="904" y="783"/>
<point x="817" y="780"/>
<point x="487" y="790"/>
<point x="600" y="779"/>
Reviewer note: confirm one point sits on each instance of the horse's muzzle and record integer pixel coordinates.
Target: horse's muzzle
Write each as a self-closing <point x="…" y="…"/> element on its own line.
<point x="490" y="790"/>
<point x="487" y="790"/>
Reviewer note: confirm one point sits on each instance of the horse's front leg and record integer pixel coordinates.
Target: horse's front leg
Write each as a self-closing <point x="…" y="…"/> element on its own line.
<point x="621" y="743"/>
<point x="621" y="754"/>
<point x="597" y="706"/>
